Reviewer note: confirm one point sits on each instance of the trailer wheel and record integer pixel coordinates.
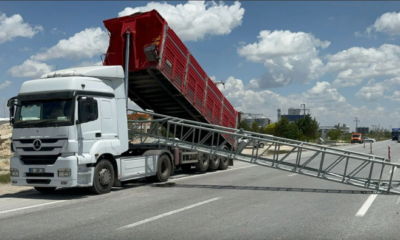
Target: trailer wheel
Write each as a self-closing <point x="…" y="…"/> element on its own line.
<point x="203" y="163"/>
<point x="163" y="169"/>
<point x="214" y="162"/>
<point x="45" y="189"/>
<point x="223" y="164"/>
<point x="103" y="177"/>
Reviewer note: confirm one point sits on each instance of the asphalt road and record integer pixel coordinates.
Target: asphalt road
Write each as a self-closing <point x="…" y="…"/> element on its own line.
<point x="244" y="202"/>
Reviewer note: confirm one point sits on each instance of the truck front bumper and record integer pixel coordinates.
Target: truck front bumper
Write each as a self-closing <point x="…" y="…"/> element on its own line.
<point x="49" y="178"/>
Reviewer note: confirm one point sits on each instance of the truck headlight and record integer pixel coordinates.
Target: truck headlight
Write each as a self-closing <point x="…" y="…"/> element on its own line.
<point x="64" y="172"/>
<point x="14" y="172"/>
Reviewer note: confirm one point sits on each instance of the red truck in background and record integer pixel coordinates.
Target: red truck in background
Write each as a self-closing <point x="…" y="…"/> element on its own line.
<point x="163" y="75"/>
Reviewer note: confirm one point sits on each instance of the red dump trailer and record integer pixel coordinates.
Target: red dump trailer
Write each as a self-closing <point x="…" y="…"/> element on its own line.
<point x="163" y="75"/>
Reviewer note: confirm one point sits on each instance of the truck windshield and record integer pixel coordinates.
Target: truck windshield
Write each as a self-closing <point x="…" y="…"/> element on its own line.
<point x="44" y="112"/>
<point x="356" y="136"/>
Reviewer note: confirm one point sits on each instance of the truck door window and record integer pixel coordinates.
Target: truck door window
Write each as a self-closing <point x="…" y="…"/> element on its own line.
<point x="83" y="111"/>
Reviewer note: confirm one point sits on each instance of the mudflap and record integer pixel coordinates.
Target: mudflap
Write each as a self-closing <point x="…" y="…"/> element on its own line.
<point x="230" y="162"/>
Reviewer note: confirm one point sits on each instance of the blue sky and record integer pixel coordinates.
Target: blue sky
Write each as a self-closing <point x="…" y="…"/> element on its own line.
<point x="340" y="58"/>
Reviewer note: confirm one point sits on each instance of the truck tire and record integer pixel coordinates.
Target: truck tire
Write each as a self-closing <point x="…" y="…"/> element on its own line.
<point x="261" y="145"/>
<point x="103" y="179"/>
<point x="45" y="189"/>
<point x="163" y="169"/>
<point x="203" y="163"/>
<point x="214" y="162"/>
<point x="223" y="164"/>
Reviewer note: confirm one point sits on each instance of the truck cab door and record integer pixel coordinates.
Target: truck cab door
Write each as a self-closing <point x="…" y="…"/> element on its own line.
<point x="88" y="127"/>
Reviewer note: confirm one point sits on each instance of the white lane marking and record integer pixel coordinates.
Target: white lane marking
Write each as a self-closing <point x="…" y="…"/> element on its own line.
<point x="364" y="208"/>
<point x="39" y="205"/>
<point x="398" y="201"/>
<point x="167" y="214"/>
<point x="204" y="174"/>
<point x="293" y="174"/>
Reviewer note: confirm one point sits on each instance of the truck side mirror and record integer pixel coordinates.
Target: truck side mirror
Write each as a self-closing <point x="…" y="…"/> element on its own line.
<point x="10" y="102"/>
<point x="12" y="109"/>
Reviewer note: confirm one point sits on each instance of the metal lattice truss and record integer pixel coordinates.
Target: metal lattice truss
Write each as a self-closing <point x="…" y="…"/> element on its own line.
<point x="338" y="165"/>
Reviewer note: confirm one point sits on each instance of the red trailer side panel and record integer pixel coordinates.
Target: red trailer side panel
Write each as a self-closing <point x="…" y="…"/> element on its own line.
<point x="163" y="75"/>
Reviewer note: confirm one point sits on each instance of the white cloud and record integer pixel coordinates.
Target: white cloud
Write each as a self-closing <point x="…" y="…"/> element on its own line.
<point x="196" y="19"/>
<point x="88" y="63"/>
<point x="388" y="23"/>
<point x="371" y="92"/>
<point x="326" y="104"/>
<point x="288" y="56"/>
<point x="5" y="84"/>
<point x="25" y="49"/>
<point x="355" y="64"/>
<point x="56" y="31"/>
<point x="85" y="44"/>
<point x="395" y="96"/>
<point x="30" y="68"/>
<point x="375" y="90"/>
<point x="14" y="26"/>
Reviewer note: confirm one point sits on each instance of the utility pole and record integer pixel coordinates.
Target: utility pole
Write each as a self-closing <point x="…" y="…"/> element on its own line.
<point x="356" y="120"/>
<point x="304" y="109"/>
<point x="373" y="128"/>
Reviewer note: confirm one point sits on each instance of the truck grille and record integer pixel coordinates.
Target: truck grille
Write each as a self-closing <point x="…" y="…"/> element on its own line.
<point x="39" y="160"/>
<point x="31" y="149"/>
<point x="45" y="140"/>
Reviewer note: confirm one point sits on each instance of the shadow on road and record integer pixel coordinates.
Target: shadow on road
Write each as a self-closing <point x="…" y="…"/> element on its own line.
<point x="81" y="193"/>
<point x="69" y="193"/>
<point x="281" y="189"/>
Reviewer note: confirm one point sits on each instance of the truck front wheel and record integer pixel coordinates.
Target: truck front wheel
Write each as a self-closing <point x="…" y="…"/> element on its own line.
<point x="103" y="177"/>
<point x="164" y="169"/>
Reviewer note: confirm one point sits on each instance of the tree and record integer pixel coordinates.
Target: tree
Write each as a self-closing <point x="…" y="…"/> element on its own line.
<point x="270" y="129"/>
<point x="292" y="131"/>
<point x="255" y="128"/>
<point x="308" y="126"/>
<point x="243" y="124"/>
<point x="281" y="127"/>
<point x="334" y="134"/>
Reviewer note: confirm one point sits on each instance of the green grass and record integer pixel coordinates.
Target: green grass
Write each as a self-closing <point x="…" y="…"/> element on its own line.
<point x="4" y="178"/>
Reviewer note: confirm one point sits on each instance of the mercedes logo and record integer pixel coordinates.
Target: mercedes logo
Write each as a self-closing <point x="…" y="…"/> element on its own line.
<point x="37" y="144"/>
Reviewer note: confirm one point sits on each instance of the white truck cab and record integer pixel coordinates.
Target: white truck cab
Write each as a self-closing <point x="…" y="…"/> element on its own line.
<point x="70" y="130"/>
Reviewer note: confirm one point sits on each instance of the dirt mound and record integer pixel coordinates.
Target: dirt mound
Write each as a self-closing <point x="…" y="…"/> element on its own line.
<point x="5" y="129"/>
<point x="5" y="152"/>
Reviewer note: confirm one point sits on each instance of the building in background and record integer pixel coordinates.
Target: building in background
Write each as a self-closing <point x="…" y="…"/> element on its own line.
<point x="363" y="130"/>
<point x="293" y="114"/>
<point x="324" y="130"/>
<point x="260" y="119"/>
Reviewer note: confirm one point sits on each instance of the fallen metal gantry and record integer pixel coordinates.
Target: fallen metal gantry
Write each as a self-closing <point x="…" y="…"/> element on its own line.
<point x="338" y="165"/>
